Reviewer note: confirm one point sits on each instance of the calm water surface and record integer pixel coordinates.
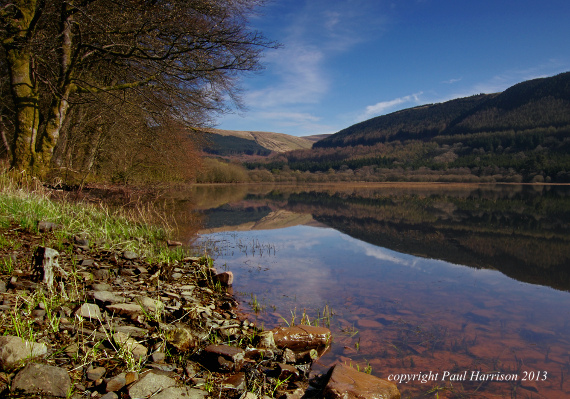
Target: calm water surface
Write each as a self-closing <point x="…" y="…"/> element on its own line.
<point x="416" y="279"/>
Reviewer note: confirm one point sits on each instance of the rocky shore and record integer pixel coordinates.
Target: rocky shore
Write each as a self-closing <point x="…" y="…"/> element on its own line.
<point x="81" y="321"/>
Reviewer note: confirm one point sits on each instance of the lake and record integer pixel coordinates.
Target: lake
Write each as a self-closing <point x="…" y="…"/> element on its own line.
<point x="451" y="290"/>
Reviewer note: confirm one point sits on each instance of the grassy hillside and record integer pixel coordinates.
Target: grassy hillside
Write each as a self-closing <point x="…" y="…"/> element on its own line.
<point x="519" y="135"/>
<point x="233" y="142"/>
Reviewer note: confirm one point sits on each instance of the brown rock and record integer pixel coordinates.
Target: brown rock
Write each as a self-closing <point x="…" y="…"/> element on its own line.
<point x="302" y="338"/>
<point x="226" y="278"/>
<point x="347" y="383"/>
<point x="223" y="357"/>
<point x="235" y="381"/>
<point x="42" y="379"/>
<point x="116" y="383"/>
<point x="184" y="338"/>
<point x="96" y="373"/>
<point x="14" y="350"/>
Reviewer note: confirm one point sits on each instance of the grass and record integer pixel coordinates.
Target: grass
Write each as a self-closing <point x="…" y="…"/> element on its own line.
<point x="24" y="202"/>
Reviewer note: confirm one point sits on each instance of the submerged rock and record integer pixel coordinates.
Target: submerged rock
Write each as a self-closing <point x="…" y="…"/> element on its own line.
<point x="348" y="383"/>
<point x="302" y="338"/>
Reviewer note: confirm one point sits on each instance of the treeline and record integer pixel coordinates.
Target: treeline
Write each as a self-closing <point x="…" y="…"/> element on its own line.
<point x="217" y="144"/>
<point x="520" y="135"/>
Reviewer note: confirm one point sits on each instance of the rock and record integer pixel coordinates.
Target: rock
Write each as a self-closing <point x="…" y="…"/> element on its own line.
<point x="124" y="341"/>
<point x="86" y="262"/>
<point x="96" y="373"/>
<point x="44" y="226"/>
<point x="101" y="274"/>
<point x="235" y="381"/>
<point x="116" y="383"/>
<point x="288" y="371"/>
<point x="347" y="383"/>
<point x="266" y="340"/>
<point x="130" y="255"/>
<point x="127" y="309"/>
<point x="172" y="243"/>
<point x="367" y="323"/>
<point x="81" y="242"/>
<point x="226" y="278"/>
<point x="184" y="338"/>
<point x="89" y="311"/>
<point x="191" y="369"/>
<point x="107" y="297"/>
<point x="14" y="350"/>
<point x="296" y="394"/>
<point x="132" y="331"/>
<point x="42" y="379"/>
<point x="223" y="357"/>
<point x="181" y="393"/>
<point x="302" y="338"/>
<point x="158" y="357"/>
<point x="149" y="304"/>
<point x="289" y="356"/>
<point x="101" y="287"/>
<point x="2" y="287"/>
<point x="110" y="395"/>
<point x="149" y="384"/>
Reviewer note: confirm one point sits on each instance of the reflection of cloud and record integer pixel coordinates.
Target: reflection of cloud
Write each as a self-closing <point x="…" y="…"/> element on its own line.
<point x="378" y="252"/>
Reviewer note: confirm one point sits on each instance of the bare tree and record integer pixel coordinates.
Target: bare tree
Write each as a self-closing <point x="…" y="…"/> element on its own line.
<point x="181" y="57"/>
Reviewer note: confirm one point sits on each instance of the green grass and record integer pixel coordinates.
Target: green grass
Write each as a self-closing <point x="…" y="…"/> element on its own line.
<point x="27" y="203"/>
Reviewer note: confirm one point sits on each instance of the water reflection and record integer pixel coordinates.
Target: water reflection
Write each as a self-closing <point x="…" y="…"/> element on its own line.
<point x="392" y="266"/>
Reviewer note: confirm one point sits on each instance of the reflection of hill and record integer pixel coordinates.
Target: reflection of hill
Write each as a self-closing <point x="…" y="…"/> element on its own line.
<point x="273" y="220"/>
<point x="524" y="237"/>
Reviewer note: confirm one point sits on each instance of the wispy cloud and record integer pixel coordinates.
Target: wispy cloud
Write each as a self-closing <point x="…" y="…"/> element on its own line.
<point x="383" y="106"/>
<point x="299" y="78"/>
<point x="452" y="81"/>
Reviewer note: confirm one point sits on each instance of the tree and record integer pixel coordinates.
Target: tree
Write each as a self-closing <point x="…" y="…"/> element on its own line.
<point x="181" y="57"/>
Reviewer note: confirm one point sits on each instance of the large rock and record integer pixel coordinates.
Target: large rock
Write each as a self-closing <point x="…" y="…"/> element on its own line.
<point x="185" y="338"/>
<point x="43" y="379"/>
<point x="301" y="338"/>
<point x="14" y="350"/>
<point x="223" y="357"/>
<point x="150" y="384"/>
<point x="130" y="345"/>
<point x="89" y="311"/>
<point x="347" y="383"/>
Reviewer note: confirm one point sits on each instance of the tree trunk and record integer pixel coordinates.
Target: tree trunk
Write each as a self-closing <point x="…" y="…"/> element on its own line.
<point x="26" y="102"/>
<point x="23" y="85"/>
<point x="60" y="102"/>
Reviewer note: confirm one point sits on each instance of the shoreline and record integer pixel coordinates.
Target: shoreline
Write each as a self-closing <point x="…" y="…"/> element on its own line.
<point x="116" y="321"/>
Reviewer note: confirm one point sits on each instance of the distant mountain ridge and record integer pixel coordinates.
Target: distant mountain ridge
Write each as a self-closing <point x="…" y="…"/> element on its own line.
<point x="234" y="142"/>
<point x="521" y="135"/>
<point x="537" y="103"/>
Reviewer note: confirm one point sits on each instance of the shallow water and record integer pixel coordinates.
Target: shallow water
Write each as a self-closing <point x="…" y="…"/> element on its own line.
<point x="383" y="268"/>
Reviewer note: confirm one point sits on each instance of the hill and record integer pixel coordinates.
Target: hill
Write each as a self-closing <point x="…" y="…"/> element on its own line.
<point x="532" y="104"/>
<point x="233" y="142"/>
<point x="519" y="135"/>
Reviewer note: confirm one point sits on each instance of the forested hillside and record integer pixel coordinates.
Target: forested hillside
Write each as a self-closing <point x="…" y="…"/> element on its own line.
<point x="519" y="135"/>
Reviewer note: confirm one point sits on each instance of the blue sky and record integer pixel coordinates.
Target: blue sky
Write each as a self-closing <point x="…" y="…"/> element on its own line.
<point x="345" y="61"/>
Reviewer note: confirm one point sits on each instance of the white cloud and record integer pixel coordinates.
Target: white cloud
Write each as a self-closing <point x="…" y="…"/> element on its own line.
<point x="451" y="81"/>
<point x="383" y="106"/>
<point x="299" y="78"/>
